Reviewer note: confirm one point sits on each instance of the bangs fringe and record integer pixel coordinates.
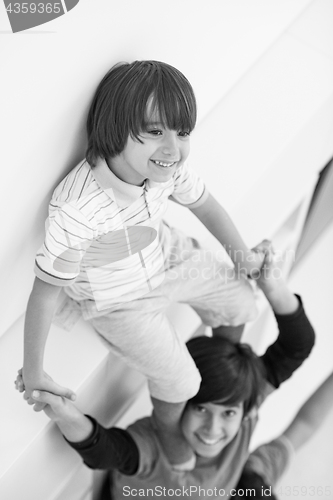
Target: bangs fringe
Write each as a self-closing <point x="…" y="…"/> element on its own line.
<point x="167" y="94"/>
<point x="119" y="107"/>
<point x="231" y="373"/>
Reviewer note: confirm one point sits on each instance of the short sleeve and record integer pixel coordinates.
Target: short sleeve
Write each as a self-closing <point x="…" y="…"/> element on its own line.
<point x="68" y="235"/>
<point x="189" y="188"/>
<point x="271" y="460"/>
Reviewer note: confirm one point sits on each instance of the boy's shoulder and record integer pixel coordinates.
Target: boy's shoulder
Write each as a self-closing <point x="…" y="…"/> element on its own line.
<point x="143" y="427"/>
<point x="271" y="460"/>
<point x="75" y="185"/>
<point x="144" y="434"/>
<point x="81" y="192"/>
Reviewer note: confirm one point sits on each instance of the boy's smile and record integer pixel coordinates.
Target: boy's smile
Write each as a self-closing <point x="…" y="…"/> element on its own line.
<point x="157" y="158"/>
<point x="209" y="427"/>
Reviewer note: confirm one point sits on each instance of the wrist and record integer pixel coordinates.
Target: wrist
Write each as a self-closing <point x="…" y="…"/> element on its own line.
<point x="31" y="370"/>
<point x="272" y="286"/>
<point x="253" y="263"/>
<point x="281" y="299"/>
<point x="77" y="428"/>
<point x="32" y="375"/>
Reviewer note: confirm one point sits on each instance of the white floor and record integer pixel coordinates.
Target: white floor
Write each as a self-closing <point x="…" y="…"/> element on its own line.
<point x="311" y="473"/>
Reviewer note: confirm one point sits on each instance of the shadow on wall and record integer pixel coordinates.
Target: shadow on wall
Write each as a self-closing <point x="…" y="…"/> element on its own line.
<point x="320" y="212"/>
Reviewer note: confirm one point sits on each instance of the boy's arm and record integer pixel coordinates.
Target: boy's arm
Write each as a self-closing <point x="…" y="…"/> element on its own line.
<point x="296" y="335"/>
<point x="293" y="345"/>
<point x="100" y="448"/>
<point x="40" y="310"/>
<point x="281" y="299"/>
<point x="219" y="223"/>
<point x="311" y="415"/>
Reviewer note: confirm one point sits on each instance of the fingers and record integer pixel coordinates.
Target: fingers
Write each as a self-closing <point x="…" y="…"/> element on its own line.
<point x="51" y="386"/>
<point x="43" y="398"/>
<point x="31" y="400"/>
<point x="28" y="398"/>
<point x="47" y="393"/>
<point x="19" y="385"/>
<point x="39" y="406"/>
<point x="265" y="246"/>
<point x="58" y="390"/>
<point x="40" y="399"/>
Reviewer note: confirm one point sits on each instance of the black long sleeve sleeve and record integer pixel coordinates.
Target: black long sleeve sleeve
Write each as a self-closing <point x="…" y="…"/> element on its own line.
<point x="293" y="345"/>
<point x="109" y="449"/>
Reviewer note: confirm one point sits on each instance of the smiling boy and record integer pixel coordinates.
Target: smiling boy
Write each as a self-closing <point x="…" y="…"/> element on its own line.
<point x="217" y="423"/>
<point x="210" y="427"/>
<point x="157" y="157"/>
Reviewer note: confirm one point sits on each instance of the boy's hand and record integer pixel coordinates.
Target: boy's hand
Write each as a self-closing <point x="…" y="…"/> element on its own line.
<point x="257" y="257"/>
<point x="74" y="425"/>
<point x="57" y="408"/>
<point x="269" y="274"/>
<point x="45" y="383"/>
<point x="272" y="283"/>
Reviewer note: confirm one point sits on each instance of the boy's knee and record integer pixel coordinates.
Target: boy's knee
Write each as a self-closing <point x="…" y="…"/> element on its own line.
<point x="243" y="315"/>
<point x="178" y="390"/>
<point x="195" y="385"/>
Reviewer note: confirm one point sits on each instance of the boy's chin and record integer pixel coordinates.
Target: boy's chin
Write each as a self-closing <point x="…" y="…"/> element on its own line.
<point x="209" y="453"/>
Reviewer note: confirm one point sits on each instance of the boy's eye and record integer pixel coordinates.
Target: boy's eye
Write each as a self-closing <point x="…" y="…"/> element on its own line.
<point x="184" y="133"/>
<point x="154" y="131"/>
<point x="230" y="413"/>
<point x="199" y="409"/>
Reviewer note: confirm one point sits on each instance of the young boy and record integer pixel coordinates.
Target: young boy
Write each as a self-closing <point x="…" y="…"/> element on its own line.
<point x="107" y="246"/>
<point x="267" y="464"/>
<point x="217" y="423"/>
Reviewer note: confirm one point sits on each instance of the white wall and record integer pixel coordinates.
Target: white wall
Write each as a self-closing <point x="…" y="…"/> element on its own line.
<point x="49" y="74"/>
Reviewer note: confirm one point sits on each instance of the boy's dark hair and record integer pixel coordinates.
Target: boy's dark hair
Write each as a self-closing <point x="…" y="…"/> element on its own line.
<point x="250" y="480"/>
<point x="231" y="373"/>
<point x="119" y="107"/>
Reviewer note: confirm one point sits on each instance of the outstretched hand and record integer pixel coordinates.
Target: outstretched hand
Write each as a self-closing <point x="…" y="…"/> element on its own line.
<point x="257" y="258"/>
<point x="44" y="383"/>
<point x="74" y="425"/>
<point x="271" y="281"/>
<point x="270" y="275"/>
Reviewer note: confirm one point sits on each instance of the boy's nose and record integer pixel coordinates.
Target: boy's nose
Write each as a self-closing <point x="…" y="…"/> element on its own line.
<point x="170" y="144"/>
<point x="214" y="427"/>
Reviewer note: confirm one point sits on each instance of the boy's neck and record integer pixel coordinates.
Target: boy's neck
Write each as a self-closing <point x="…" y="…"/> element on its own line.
<point x="119" y="173"/>
<point x="204" y="461"/>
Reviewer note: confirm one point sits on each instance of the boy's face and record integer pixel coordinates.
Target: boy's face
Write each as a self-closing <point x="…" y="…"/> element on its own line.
<point x="209" y="427"/>
<point x="161" y="153"/>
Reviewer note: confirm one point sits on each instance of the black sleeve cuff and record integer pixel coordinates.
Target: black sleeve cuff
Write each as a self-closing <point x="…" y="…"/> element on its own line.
<point x="90" y="440"/>
<point x="108" y="449"/>
<point x="292" y="316"/>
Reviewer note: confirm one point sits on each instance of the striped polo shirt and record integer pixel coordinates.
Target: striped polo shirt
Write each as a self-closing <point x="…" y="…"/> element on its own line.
<point x="105" y="240"/>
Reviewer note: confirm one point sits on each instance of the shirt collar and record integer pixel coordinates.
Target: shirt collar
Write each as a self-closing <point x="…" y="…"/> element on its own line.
<point x="119" y="191"/>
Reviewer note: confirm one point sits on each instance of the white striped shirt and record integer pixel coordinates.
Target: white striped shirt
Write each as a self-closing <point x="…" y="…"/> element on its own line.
<point x="105" y="240"/>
